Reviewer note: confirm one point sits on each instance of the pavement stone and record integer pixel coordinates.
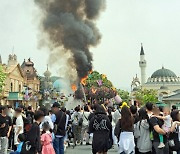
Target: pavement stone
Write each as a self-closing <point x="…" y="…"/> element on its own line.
<point x="85" y="150"/>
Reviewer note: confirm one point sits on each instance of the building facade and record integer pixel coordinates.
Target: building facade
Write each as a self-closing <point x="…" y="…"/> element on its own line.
<point x="19" y="79"/>
<point x="164" y="80"/>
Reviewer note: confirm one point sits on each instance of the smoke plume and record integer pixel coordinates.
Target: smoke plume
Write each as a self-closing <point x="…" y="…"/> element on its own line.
<point x="70" y="28"/>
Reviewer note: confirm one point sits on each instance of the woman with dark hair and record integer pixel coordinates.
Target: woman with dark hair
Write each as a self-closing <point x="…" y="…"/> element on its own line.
<point x="175" y="132"/>
<point x="142" y="133"/>
<point x="101" y="128"/>
<point x="124" y="132"/>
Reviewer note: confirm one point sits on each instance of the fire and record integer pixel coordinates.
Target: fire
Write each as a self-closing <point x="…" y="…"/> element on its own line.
<point x="83" y="80"/>
<point x="94" y="90"/>
<point x="74" y="87"/>
<point x="91" y="71"/>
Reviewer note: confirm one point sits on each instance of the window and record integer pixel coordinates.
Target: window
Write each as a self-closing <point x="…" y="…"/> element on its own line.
<point x="11" y="87"/>
<point x="19" y="88"/>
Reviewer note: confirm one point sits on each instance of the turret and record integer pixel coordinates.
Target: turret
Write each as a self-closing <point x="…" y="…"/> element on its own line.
<point x="142" y="65"/>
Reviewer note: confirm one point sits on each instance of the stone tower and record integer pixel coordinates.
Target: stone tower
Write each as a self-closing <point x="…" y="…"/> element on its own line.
<point x="12" y="60"/>
<point x="142" y="65"/>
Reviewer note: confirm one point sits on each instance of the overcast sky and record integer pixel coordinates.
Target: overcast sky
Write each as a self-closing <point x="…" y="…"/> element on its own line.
<point x="124" y="25"/>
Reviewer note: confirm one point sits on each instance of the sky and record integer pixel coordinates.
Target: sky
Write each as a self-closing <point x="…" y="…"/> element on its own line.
<point x="124" y="25"/>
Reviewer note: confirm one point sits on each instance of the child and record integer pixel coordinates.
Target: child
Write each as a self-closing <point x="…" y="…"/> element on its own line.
<point x="21" y="140"/>
<point x="46" y="140"/>
<point x="167" y="125"/>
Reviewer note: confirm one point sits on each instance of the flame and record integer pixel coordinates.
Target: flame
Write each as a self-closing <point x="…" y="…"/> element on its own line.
<point x="83" y="80"/>
<point x="74" y="87"/>
<point x="94" y="90"/>
<point x="91" y="71"/>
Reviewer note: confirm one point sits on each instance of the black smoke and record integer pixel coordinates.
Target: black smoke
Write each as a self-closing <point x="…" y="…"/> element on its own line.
<point x="70" y="24"/>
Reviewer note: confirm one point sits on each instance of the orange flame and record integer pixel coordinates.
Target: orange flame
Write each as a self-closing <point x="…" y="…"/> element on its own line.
<point x="83" y="80"/>
<point x="91" y="71"/>
<point x="74" y="87"/>
<point x="94" y="90"/>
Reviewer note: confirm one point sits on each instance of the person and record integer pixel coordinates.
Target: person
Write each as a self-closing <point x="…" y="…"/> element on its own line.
<point x="149" y="108"/>
<point x="77" y="122"/>
<point x="21" y="139"/>
<point x="19" y="125"/>
<point x="30" y="114"/>
<point x="166" y="126"/>
<point x="47" y="118"/>
<point x="124" y="132"/>
<point x="60" y="126"/>
<point x="142" y="133"/>
<point x="85" y="125"/>
<point x="134" y="113"/>
<point x="175" y="131"/>
<point x="101" y="128"/>
<point x="33" y="135"/>
<point x="156" y="125"/>
<point x="46" y="139"/>
<point x="173" y="108"/>
<point x="5" y="129"/>
<point x="117" y="114"/>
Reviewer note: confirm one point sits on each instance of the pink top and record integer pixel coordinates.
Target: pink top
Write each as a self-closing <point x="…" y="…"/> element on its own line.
<point x="47" y="147"/>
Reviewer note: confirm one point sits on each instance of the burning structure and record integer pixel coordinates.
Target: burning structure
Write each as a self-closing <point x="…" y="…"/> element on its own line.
<point x="69" y="30"/>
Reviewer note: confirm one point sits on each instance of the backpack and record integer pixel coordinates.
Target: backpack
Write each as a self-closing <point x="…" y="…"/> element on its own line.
<point x="137" y="133"/>
<point x="26" y="148"/>
<point x="78" y="120"/>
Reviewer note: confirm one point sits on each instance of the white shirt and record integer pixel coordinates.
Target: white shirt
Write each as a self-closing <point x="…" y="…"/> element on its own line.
<point x="49" y="120"/>
<point x="85" y="116"/>
<point x="19" y="123"/>
<point x="167" y="121"/>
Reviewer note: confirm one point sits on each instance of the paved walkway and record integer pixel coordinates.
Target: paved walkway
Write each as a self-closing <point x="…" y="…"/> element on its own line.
<point x="84" y="150"/>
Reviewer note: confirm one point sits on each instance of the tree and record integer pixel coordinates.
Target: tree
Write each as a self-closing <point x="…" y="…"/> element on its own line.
<point x="2" y="78"/>
<point x="144" y="96"/>
<point x="124" y="95"/>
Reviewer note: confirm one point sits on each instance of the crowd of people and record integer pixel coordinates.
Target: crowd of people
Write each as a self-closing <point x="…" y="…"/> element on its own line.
<point x="145" y="130"/>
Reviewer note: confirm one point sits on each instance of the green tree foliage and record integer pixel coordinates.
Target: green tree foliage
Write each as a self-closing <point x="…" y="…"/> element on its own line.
<point x="144" y="96"/>
<point x="124" y="95"/>
<point x="97" y="86"/>
<point x="2" y="78"/>
<point x="94" y="77"/>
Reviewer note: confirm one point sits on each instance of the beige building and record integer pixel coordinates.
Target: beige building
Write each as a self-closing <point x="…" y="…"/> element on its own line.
<point x="12" y="91"/>
<point x="21" y="84"/>
<point x="32" y="83"/>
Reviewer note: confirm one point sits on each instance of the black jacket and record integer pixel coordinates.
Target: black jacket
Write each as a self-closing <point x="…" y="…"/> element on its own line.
<point x="61" y="123"/>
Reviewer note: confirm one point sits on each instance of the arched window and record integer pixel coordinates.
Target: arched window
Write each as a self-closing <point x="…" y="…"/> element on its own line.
<point x="19" y="87"/>
<point x="11" y="87"/>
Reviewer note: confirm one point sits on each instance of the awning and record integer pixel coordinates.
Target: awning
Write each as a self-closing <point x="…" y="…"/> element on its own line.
<point x="14" y="96"/>
<point x="161" y="104"/>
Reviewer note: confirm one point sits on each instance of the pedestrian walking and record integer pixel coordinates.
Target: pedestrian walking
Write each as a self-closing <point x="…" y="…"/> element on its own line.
<point x="5" y="129"/>
<point x="101" y="128"/>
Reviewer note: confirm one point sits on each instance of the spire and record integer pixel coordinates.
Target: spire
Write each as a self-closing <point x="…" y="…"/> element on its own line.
<point x="0" y="60"/>
<point x="142" y="50"/>
<point x="47" y="67"/>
